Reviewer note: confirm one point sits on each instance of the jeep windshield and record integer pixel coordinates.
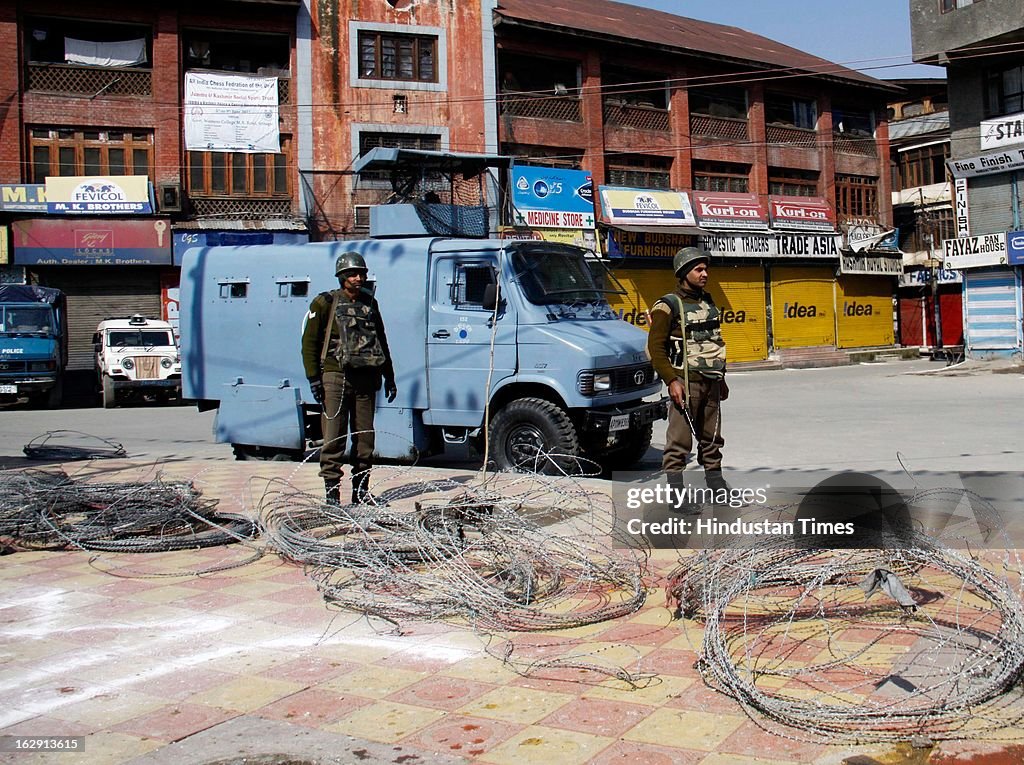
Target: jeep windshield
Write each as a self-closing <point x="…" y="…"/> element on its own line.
<point x="31" y="320"/>
<point x="138" y="338"/>
<point x="549" y="275"/>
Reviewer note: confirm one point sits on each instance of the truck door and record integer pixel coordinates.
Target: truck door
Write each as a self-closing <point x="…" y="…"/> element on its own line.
<point x="459" y="339"/>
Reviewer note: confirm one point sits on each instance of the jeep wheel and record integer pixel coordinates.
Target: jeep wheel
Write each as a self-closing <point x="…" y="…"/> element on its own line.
<point x="534" y="436"/>
<point x="247" y="452"/>
<point x="109" y="394"/>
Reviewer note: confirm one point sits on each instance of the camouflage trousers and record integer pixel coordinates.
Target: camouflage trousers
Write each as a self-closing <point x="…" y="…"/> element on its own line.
<point x="349" y="401"/>
<point x="704" y="402"/>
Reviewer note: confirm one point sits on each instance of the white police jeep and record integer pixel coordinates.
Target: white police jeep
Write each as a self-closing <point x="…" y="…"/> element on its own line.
<point x="136" y="357"/>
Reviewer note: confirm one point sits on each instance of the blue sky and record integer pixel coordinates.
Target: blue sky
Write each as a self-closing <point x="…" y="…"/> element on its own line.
<point x="870" y="35"/>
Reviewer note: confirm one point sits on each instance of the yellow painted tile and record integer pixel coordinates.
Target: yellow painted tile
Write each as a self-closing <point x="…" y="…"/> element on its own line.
<point x="256" y="589"/>
<point x="258" y="609"/>
<point x="692" y="730"/>
<point x="660" y="617"/>
<point x="543" y="746"/>
<point x="628" y="657"/>
<point x="386" y="721"/>
<point x="374" y="681"/>
<point x="31" y="650"/>
<point x="516" y="704"/>
<point x="246" y="693"/>
<point x="738" y="759"/>
<point x="158" y="595"/>
<point x="484" y="669"/>
<point x="660" y="690"/>
<point x="108" y="709"/>
<point x="102" y="749"/>
<point x="250" y="660"/>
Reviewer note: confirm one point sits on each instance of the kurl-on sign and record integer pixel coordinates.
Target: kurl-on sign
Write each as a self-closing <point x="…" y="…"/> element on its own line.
<point x="801" y="214"/>
<point x="730" y="211"/>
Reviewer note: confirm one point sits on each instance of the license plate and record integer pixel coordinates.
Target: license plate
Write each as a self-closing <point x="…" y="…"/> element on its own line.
<point x="618" y="422"/>
<point x="8" y="388"/>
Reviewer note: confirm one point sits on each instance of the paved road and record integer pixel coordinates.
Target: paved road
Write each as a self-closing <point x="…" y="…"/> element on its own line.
<point x="856" y="417"/>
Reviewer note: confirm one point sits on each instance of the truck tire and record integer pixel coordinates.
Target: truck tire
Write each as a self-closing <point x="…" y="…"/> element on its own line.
<point x="109" y="394"/>
<point x="532" y="435"/>
<point x="248" y="452"/>
<point x="631" y="451"/>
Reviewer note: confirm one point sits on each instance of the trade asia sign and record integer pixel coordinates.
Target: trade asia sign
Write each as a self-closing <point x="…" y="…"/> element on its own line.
<point x="546" y="197"/>
<point x="98" y="195"/>
<point x="730" y="211"/>
<point x="801" y="214"/>
<point x="646" y="207"/>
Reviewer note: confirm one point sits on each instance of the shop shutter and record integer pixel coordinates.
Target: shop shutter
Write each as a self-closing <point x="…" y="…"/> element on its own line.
<point x="739" y="293"/>
<point x="803" y="306"/>
<point x="991" y="204"/>
<point x="643" y="287"/>
<point x="864" y="311"/>
<point x="95" y="293"/>
<point x="913" y="321"/>
<point x="993" y="314"/>
<point x="951" y="306"/>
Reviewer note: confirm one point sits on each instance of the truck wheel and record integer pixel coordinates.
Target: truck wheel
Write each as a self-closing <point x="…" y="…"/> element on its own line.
<point x="246" y="452"/>
<point x="534" y="436"/>
<point x="629" y="452"/>
<point x="109" y="394"/>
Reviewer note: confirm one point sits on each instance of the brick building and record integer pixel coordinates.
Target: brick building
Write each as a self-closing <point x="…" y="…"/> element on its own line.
<point x="643" y="98"/>
<point x="979" y="44"/>
<point x="96" y="91"/>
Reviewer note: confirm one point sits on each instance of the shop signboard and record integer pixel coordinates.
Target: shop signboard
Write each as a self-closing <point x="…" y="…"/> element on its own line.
<point x="807" y="245"/>
<point x="99" y="195"/>
<point x="730" y="211"/>
<point x="986" y="164"/>
<point x="623" y="243"/>
<point x="871" y="265"/>
<point x="963" y="211"/>
<point x="801" y="214"/>
<point x="64" y="242"/>
<point x="585" y="238"/>
<point x="750" y="245"/>
<point x="1015" y="248"/>
<point x="646" y="207"/>
<point x="923" y="277"/>
<point x="182" y="240"/>
<point x="545" y="197"/>
<point x="975" y="251"/>
<point x="1002" y="131"/>
<point x="22" y="197"/>
<point x="231" y="112"/>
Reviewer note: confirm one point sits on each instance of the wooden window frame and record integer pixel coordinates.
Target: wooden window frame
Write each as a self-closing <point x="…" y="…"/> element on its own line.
<point x="922" y="166"/>
<point x="722" y="177"/>
<point x="994" y="92"/>
<point x="374" y="41"/>
<point x="82" y="140"/>
<point x="722" y="101"/>
<point x="371" y="139"/>
<point x="857" y="196"/>
<point x="240" y="167"/>
<point x="786" y="182"/>
<point x="774" y="101"/>
<point x="640" y="172"/>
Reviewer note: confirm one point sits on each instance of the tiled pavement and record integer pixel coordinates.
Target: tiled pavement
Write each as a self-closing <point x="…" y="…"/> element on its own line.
<point x="122" y="651"/>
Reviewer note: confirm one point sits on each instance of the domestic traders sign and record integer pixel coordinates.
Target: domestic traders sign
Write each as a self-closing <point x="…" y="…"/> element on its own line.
<point x="975" y="251"/>
<point x="98" y="195"/>
<point x="801" y="213"/>
<point x="646" y="207"/>
<point x="777" y="244"/>
<point x="545" y="197"/>
<point x="730" y="211"/>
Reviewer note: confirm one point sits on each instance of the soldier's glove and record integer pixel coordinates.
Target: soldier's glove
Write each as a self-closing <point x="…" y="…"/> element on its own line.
<point x="317" y="386"/>
<point x="390" y="389"/>
<point x="724" y="390"/>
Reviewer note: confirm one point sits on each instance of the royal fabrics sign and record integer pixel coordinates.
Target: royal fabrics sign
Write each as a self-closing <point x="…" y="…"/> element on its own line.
<point x="801" y="214"/>
<point x="98" y="195"/>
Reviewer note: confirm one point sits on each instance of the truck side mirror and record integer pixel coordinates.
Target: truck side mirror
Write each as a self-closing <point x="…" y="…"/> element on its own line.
<point x="96" y="340"/>
<point x="490" y="300"/>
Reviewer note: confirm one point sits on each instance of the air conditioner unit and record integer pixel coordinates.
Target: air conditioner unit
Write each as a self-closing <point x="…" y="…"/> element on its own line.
<point x="170" y="197"/>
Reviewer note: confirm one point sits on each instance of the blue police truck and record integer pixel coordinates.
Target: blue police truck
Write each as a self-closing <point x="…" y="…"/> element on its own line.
<point x="510" y="338"/>
<point x="33" y="344"/>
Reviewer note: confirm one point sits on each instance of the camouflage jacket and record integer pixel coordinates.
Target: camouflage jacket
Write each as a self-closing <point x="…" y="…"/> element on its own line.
<point x="357" y="341"/>
<point x="705" y="348"/>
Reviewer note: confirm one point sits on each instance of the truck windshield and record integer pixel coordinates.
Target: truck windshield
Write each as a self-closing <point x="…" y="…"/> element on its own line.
<point x="31" y="320"/>
<point x="555" y="276"/>
<point x="133" y="338"/>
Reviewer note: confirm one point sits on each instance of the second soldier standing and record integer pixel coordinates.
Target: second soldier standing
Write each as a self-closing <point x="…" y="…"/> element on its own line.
<point x="346" y="358"/>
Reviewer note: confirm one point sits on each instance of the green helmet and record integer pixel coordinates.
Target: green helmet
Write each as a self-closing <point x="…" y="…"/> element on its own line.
<point x="687" y="258"/>
<point x="349" y="261"/>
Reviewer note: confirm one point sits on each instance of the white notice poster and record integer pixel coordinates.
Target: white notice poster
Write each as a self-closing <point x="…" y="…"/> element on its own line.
<point x="231" y="112"/>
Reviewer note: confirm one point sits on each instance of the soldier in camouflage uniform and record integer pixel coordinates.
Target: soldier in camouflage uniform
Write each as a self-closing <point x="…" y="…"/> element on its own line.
<point x="346" y="356"/>
<point x="698" y="360"/>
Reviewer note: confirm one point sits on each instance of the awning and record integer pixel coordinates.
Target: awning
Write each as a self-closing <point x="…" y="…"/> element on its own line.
<point x="680" y="230"/>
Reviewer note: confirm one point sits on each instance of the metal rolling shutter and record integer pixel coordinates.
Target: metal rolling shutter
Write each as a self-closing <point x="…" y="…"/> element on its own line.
<point x="993" y="313"/>
<point x="644" y="286"/>
<point x="739" y="293"/>
<point x="803" y="307"/>
<point x="864" y="311"/>
<point x="991" y="201"/>
<point x="913" y="321"/>
<point x="96" y="293"/>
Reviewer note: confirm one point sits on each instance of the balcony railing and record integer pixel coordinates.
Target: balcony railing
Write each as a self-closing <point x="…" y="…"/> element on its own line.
<point x="633" y="116"/>
<point x="89" y="80"/>
<point x="241" y="207"/>
<point x="861" y="145"/>
<point x="728" y="128"/>
<point x="785" y="135"/>
<point x="566" y="108"/>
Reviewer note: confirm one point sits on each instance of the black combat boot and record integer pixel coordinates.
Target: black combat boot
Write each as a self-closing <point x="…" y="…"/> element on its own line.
<point x="361" y="490"/>
<point x="332" y="491"/>
<point x="715" y="481"/>
<point x="680" y="500"/>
